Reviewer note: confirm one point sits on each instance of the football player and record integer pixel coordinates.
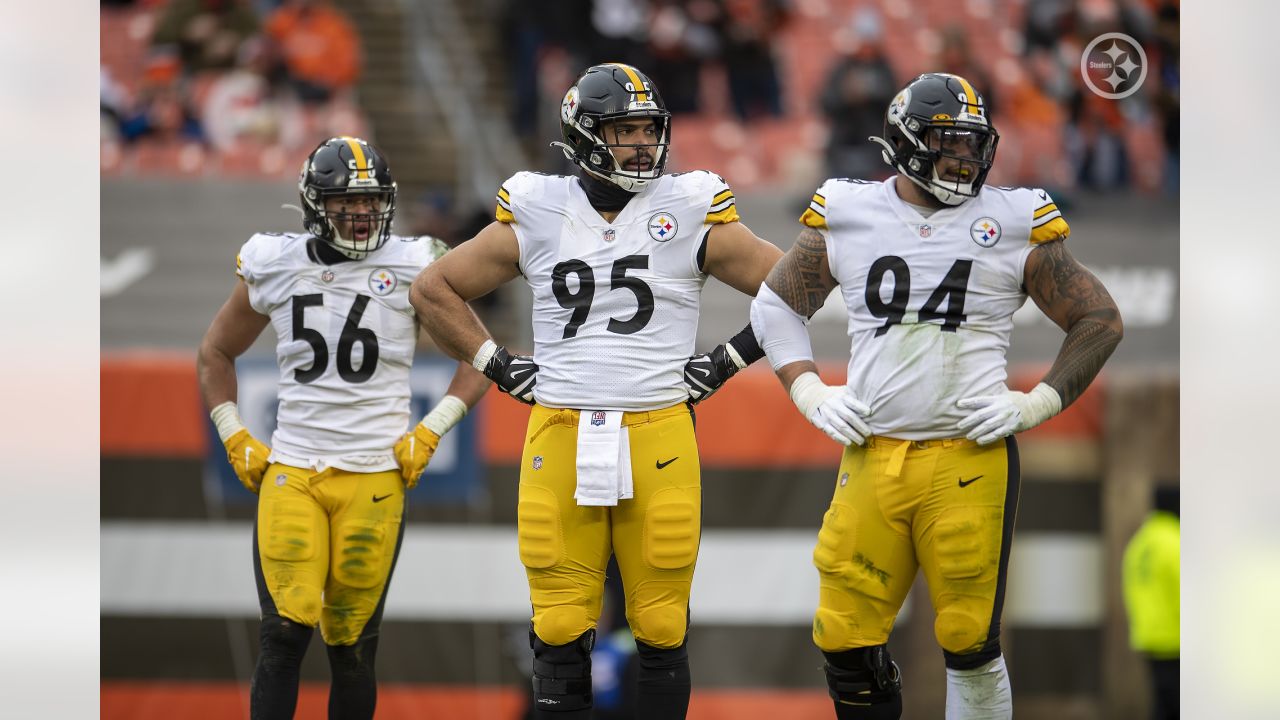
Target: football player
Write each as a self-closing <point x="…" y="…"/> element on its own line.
<point x="329" y="518"/>
<point x="616" y="258"/>
<point x="932" y="264"/>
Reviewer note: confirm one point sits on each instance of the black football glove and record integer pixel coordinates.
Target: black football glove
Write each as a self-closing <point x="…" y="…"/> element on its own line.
<point x="705" y="374"/>
<point x="514" y="375"/>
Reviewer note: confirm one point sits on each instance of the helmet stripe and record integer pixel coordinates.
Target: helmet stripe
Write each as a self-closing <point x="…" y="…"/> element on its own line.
<point x="635" y="81"/>
<point x="361" y="165"/>
<point x="971" y="97"/>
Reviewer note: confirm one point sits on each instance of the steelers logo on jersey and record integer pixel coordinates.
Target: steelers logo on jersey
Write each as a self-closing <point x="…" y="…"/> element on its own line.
<point x="662" y="227"/>
<point x="382" y="281"/>
<point x="985" y="231"/>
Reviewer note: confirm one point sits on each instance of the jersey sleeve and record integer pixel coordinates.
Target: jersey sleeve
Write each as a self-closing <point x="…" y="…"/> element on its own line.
<point x="723" y="207"/>
<point x="510" y="195"/>
<point x="1047" y="222"/>
<point x="258" y="263"/>
<point x="815" y="216"/>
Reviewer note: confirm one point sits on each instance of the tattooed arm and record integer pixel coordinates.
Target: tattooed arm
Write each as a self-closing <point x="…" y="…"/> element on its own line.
<point x="794" y="290"/>
<point x="1072" y="297"/>
<point x="803" y="280"/>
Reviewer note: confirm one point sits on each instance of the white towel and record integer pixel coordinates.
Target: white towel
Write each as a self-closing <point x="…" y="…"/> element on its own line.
<point x="604" y="458"/>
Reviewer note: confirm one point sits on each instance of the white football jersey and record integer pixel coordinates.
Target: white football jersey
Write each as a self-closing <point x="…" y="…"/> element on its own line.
<point x="931" y="300"/>
<point x="615" y="305"/>
<point x="346" y="340"/>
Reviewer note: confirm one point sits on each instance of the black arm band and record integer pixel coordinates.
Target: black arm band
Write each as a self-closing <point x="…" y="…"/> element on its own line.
<point x="746" y="346"/>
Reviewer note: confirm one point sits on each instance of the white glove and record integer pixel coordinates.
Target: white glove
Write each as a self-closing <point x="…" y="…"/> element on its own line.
<point x="995" y="416"/>
<point x="832" y="409"/>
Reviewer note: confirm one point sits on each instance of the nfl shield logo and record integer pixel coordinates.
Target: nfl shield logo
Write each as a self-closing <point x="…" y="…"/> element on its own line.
<point x="597" y="417"/>
<point x="537" y="462"/>
<point x="609" y="235"/>
<point x="926" y="231"/>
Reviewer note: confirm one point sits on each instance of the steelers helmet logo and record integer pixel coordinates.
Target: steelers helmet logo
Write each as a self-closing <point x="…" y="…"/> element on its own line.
<point x="662" y="227"/>
<point x="569" y="106"/>
<point x="382" y="281"/>
<point x="985" y="231"/>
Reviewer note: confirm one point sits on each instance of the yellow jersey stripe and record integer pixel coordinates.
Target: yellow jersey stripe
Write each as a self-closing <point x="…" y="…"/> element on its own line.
<point x="727" y="215"/>
<point x="362" y="166"/>
<point x="813" y="219"/>
<point x="1044" y="211"/>
<point x="640" y="94"/>
<point x="819" y="199"/>
<point x="503" y="215"/>
<point x="502" y="193"/>
<point x="722" y="196"/>
<point x="1055" y="229"/>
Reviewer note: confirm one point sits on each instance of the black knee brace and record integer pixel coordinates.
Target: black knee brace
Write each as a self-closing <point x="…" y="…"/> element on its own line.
<point x="864" y="683"/>
<point x="664" y="682"/>
<point x="274" y="691"/>
<point x="562" y="674"/>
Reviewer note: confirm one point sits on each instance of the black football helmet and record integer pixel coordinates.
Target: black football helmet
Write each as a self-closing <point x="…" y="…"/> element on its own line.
<point x="940" y="116"/>
<point x="340" y="166"/>
<point x="609" y="92"/>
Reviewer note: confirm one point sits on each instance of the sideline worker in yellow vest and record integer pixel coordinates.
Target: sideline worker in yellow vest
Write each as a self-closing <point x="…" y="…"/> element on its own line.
<point x="1151" y="572"/>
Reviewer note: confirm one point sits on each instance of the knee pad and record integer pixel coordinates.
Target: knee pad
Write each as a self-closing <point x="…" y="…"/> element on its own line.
<point x="562" y="624"/>
<point x="562" y="673"/>
<point x="283" y="641"/>
<point x="864" y="683"/>
<point x="661" y="625"/>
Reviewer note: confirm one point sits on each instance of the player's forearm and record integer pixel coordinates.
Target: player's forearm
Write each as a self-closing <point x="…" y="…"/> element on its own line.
<point x="446" y="316"/>
<point x="216" y="372"/>
<point x="1089" y="342"/>
<point x="468" y="385"/>
<point x="787" y="374"/>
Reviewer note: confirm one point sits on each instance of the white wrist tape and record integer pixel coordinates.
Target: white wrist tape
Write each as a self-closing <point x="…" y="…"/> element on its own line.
<point x="447" y="413"/>
<point x="807" y="392"/>
<point x="486" y="352"/>
<point x="1044" y="402"/>
<point x="781" y="331"/>
<point x="734" y="356"/>
<point x="226" y="417"/>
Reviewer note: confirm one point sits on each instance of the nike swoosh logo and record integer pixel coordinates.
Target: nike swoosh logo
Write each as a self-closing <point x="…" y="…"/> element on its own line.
<point x="380" y="499"/>
<point x="664" y="464"/>
<point x="970" y="481"/>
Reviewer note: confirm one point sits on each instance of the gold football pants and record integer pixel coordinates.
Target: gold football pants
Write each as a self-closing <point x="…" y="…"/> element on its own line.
<point x="326" y="543"/>
<point x="565" y="547"/>
<point x="944" y="506"/>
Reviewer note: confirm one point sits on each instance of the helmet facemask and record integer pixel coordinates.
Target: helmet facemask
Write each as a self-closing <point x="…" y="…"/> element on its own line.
<point x="365" y="230"/>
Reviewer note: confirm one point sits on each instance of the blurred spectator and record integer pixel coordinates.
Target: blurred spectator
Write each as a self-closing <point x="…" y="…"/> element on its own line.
<point x="206" y="33"/>
<point x="1151" y="597"/>
<point x="113" y="102"/>
<point x="956" y="58"/>
<point x="318" y="48"/>
<point x="243" y="105"/>
<point x="748" y="31"/>
<point x="855" y="96"/>
<point x="620" y="30"/>
<point x="162" y="109"/>
<point x="681" y="37"/>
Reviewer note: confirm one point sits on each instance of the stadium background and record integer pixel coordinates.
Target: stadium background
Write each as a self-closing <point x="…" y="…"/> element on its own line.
<point x="445" y="88"/>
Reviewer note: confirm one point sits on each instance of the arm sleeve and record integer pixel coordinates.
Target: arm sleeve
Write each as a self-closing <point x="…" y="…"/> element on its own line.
<point x="1047" y="223"/>
<point x="781" y="331"/>
<point x="723" y="207"/>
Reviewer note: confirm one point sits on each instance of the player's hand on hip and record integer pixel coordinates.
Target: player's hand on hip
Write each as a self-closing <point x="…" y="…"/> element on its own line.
<point x="833" y="409"/>
<point x="995" y="416"/>
<point x="705" y="374"/>
<point x="248" y="458"/>
<point x="413" y="452"/>
<point x="515" y="375"/>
